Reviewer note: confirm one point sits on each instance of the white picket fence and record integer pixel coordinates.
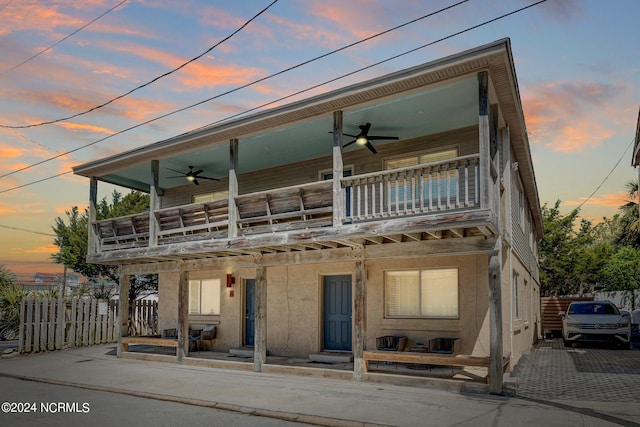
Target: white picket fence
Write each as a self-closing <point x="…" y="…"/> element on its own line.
<point x="57" y="323"/>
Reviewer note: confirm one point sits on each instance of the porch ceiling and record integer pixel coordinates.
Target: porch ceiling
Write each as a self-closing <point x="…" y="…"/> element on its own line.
<point x="407" y="116"/>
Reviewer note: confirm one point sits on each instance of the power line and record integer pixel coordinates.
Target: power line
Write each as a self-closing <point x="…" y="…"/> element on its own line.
<point x="48" y="122"/>
<point x="606" y="177"/>
<point x="64" y="38"/>
<point x="5" y="5"/>
<point x="27" y="231"/>
<point x="266" y="78"/>
<point x="230" y="91"/>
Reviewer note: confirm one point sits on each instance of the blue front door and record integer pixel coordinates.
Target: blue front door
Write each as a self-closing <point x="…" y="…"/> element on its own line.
<point x="337" y="313"/>
<point x="250" y="311"/>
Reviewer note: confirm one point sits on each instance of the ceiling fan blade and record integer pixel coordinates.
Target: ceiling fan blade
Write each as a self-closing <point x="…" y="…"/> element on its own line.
<point x="365" y="129"/>
<point x="210" y="179"/>
<point x="378" y="137"/>
<point x="195" y="181"/>
<point x="371" y="147"/>
<point x="349" y="143"/>
<point x="180" y="176"/>
<point x="173" y="170"/>
<point x="195" y="173"/>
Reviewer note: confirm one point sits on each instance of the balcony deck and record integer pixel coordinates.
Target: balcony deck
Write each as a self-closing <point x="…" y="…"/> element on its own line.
<point x="429" y="201"/>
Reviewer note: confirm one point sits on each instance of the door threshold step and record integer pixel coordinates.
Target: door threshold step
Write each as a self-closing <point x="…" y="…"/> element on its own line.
<point x="327" y="357"/>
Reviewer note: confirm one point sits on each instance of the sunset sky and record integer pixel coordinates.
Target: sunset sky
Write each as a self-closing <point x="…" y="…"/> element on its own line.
<point x="577" y="64"/>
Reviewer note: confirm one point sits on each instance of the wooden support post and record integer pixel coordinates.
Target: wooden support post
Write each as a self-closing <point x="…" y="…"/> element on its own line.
<point x="123" y="310"/>
<point x="92" y="244"/>
<point x="233" y="188"/>
<point x="495" y="320"/>
<point x="183" y="315"/>
<point x="260" y="332"/>
<point x="484" y="138"/>
<point x="154" y="202"/>
<point x="505" y="217"/>
<point x="338" y="171"/>
<point x="359" y="316"/>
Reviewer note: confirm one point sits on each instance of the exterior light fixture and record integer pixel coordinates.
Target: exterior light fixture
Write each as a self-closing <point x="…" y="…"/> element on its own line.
<point x="230" y="280"/>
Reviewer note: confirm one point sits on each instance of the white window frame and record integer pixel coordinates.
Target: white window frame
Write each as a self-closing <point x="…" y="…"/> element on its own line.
<point x="419" y="295"/>
<point x="204" y="297"/>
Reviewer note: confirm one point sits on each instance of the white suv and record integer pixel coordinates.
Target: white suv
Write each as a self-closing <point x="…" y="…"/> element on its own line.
<point x="596" y="321"/>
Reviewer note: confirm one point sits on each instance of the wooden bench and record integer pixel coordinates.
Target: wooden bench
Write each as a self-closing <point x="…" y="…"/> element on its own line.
<point x="150" y="340"/>
<point x="428" y="359"/>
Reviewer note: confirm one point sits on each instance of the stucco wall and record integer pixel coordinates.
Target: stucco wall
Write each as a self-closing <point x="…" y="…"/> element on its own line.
<point x="473" y="304"/>
<point x="294" y="308"/>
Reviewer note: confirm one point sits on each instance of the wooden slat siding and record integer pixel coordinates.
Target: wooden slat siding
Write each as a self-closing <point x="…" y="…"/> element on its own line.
<point x="36" y="324"/>
<point x="51" y="329"/>
<point x="21" y="336"/>
<point x="551" y="306"/>
<point x="61" y="323"/>
<point x="85" y="322"/>
<point x="71" y="337"/>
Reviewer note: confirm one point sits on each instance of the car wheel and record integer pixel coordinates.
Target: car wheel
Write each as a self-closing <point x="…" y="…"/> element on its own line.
<point x="567" y="343"/>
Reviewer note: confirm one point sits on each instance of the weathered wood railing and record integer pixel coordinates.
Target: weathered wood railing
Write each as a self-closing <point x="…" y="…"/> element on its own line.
<point x="432" y="187"/>
<point x="289" y="208"/>
<point x="446" y="185"/>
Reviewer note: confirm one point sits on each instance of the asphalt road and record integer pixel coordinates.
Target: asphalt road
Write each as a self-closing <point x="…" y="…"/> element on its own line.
<point x="38" y="404"/>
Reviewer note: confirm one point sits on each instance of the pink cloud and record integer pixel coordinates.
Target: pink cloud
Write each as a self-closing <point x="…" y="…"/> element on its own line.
<point x="80" y="127"/>
<point x="608" y="200"/>
<point x="568" y="117"/>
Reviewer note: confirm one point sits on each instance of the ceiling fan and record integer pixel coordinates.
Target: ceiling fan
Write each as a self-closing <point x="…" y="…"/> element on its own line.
<point x="192" y="175"/>
<point x="363" y="138"/>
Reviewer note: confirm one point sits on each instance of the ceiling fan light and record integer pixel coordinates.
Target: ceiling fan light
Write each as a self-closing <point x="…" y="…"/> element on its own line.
<point x="191" y="178"/>
<point x="361" y="140"/>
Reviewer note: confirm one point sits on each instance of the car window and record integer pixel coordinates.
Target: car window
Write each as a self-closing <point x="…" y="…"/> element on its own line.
<point x="592" y="309"/>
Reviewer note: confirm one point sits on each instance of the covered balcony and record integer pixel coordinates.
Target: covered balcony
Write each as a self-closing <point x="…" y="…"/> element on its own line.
<point x="293" y="178"/>
<point x="432" y="196"/>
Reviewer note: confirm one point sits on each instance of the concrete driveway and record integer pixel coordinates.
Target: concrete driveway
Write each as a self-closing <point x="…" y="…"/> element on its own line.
<point x="598" y="381"/>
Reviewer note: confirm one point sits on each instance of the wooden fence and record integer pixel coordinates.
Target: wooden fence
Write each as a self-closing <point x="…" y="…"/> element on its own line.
<point x="57" y="323"/>
<point x="550" y="307"/>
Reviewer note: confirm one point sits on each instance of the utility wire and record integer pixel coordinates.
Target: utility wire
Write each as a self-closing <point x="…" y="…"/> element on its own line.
<point x="61" y="40"/>
<point x="269" y="103"/>
<point x="5" y="5"/>
<point x="27" y="231"/>
<point x="606" y="177"/>
<point x="260" y="80"/>
<point x="48" y="122"/>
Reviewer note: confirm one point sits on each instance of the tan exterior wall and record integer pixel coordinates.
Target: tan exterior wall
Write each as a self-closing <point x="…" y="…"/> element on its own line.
<point x="473" y="304"/>
<point x="294" y="308"/>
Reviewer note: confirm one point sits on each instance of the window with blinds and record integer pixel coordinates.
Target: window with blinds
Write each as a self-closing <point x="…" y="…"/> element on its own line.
<point x="204" y="296"/>
<point x="421" y="293"/>
<point x="434" y="185"/>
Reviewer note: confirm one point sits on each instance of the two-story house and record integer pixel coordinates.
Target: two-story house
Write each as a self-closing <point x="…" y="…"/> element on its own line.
<point x="405" y="205"/>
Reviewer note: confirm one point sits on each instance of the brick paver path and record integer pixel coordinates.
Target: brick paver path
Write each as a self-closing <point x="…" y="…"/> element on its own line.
<point x="553" y="372"/>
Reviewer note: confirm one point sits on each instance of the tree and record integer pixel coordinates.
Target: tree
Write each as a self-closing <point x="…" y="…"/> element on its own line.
<point x="72" y="238"/>
<point x="622" y="273"/>
<point x="557" y="252"/>
<point x="11" y="294"/>
<point x="570" y="260"/>
<point x="6" y="276"/>
<point x="629" y="229"/>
